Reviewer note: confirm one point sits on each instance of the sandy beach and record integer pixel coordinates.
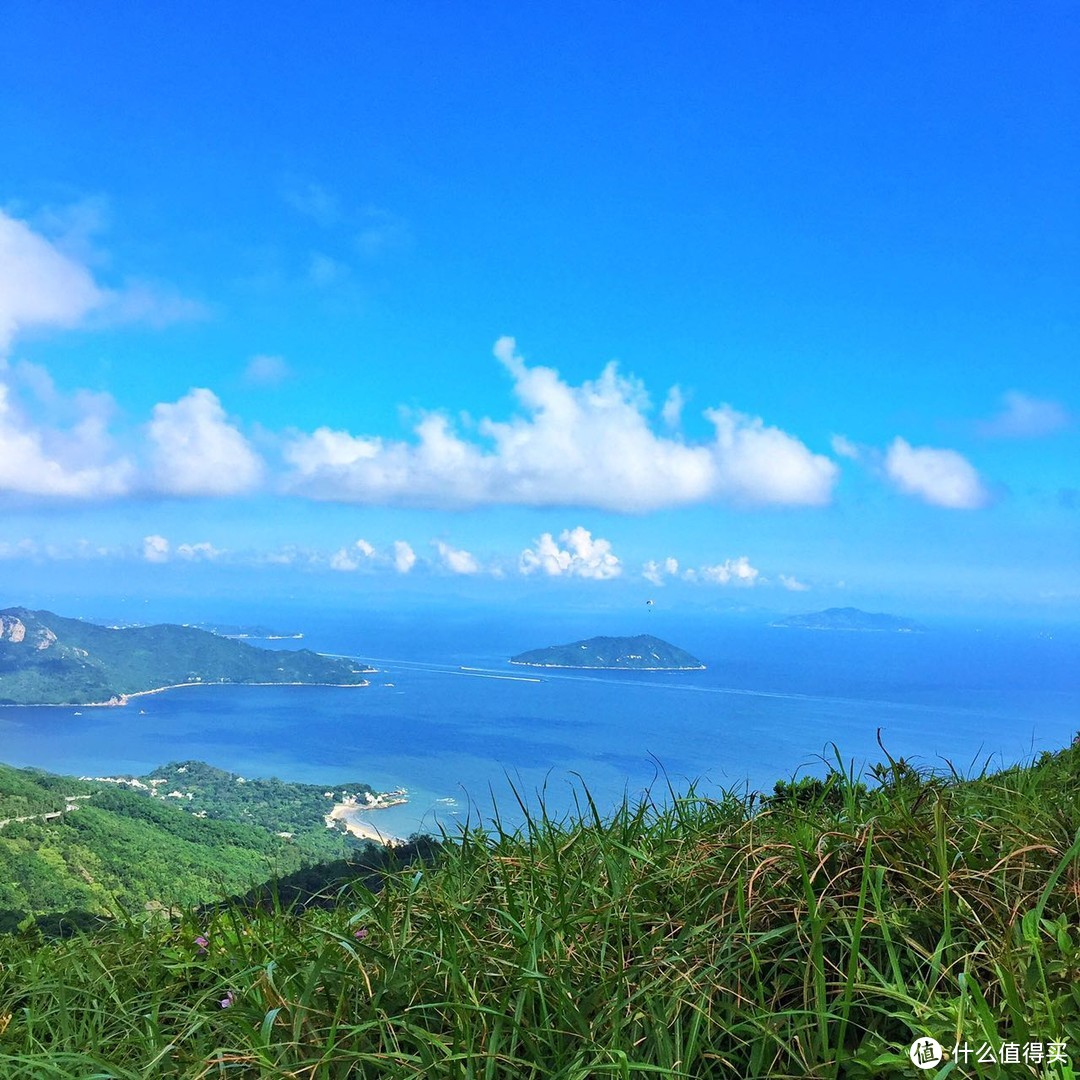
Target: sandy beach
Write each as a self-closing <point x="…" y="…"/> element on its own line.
<point x="347" y="813"/>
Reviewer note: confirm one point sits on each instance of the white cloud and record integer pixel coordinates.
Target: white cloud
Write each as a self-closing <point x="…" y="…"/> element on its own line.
<point x="39" y="285"/>
<point x="196" y="451"/>
<point x="155" y="549"/>
<point x="730" y="572"/>
<point x="939" y="477"/>
<point x="588" y="445"/>
<point x="348" y="559"/>
<point x="265" y="370"/>
<point x="671" y="413"/>
<point x="842" y="446"/>
<point x="72" y="462"/>
<point x="404" y="557"/>
<point x="651" y="572"/>
<point x="792" y="584"/>
<point x="198" y="552"/>
<point x="1026" y="417"/>
<point x="582" y="556"/>
<point x="43" y="285"/>
<point x="456" y="560"/>
<point x="655" y="571"/>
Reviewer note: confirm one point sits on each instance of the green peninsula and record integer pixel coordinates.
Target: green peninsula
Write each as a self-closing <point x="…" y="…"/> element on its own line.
<point x="849" y="618"/>
<point x="641" y="653"/>
<point x="46" y="659"/>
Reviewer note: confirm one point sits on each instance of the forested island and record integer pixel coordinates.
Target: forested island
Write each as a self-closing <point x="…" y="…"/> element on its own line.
<point x="849" y="618"/>
<point x="640" y="653"/>
<point x="46" y="659"/>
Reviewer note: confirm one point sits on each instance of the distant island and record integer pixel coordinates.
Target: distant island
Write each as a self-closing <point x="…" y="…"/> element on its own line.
<point x="46" y="659"/>
<point x="641" y="653"/>
<point x="850" y="618"/>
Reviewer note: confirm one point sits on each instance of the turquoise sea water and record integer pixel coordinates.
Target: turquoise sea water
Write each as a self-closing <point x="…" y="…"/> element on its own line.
<point x="771" y="703"/>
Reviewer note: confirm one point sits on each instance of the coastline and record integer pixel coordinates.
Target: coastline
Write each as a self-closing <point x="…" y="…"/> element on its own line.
<point x="603" y="667"/>
<point x="347" y="814"/>
<point x="122" y="699"/>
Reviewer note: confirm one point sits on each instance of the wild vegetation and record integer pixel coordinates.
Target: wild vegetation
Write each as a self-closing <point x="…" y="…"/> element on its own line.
<point x="815" y="933"/>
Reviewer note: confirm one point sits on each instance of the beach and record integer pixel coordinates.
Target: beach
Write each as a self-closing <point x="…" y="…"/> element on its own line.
<point x="348" y="813"/>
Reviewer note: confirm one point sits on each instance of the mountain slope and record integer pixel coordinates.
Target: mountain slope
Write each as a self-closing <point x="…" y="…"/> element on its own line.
<point x="46" y="659"/>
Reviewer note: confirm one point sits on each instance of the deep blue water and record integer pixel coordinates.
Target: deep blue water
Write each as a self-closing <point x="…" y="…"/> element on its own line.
<point x="771" y="702"/>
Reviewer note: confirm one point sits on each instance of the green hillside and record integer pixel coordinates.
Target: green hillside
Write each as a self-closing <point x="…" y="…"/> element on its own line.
<point x="819" y="933"/>
<point x="184" y="834"/>
<point x="46" y="659"/>
<point x="642" y="652"/>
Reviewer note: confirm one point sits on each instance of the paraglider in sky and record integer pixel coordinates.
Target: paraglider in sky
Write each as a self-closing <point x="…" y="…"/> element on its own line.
<point x="649" y="605"/>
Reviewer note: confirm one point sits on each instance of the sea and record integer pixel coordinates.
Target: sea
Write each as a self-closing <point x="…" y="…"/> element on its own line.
<point x="474" y="739"/>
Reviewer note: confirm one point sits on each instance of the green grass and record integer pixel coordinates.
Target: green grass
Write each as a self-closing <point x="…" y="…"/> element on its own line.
<point x="813" y="934"/>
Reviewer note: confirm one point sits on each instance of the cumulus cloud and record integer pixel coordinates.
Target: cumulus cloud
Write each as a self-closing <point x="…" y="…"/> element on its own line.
<point x="265" y="370"/>
<point x="730" y="572"/>
<point x="197" y="451"/>
<point x="348" y="559"/>
<point x="404" y="557"/>
<point x="580" y="556"/>
<point x="939" y="477"/>
<point x="1025" y="417"/>
<point x="589" y="445"/>
<point x="456" y="560"/>
<point x="155" y="549"/>
<point x="39" y="284"/>
<point x="76" y="461"/>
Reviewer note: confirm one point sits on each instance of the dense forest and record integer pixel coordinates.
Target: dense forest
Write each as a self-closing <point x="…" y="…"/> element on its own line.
<point x="184" y="834"/>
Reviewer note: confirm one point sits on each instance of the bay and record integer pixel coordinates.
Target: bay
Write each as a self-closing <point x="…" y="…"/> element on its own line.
<point x="772" y="703"/>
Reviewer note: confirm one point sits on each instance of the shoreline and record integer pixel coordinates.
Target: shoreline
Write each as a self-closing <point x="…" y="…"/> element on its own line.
<point x="345" y="813"/>
<point x="603" y="667"/>
<point x="121" y="700"/>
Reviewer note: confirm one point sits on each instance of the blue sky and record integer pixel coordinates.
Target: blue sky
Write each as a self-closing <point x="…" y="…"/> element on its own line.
<point x="730" y="305"/>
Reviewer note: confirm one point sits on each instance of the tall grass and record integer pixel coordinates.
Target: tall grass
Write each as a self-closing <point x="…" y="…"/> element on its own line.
<point x="814" y="934"/>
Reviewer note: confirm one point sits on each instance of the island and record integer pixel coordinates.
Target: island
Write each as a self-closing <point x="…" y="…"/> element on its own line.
<point x="849" y="618"/>
<point x="47" y="659"/>
<point x="640" y="653"/>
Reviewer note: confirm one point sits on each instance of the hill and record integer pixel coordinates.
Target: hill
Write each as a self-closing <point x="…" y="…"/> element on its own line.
<point x="850" y="618"/>
<point x="46" y="659"/>
<point x="186" y="833"/>
<point x="641" y="653"/>
<point x="826" y="931"/>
